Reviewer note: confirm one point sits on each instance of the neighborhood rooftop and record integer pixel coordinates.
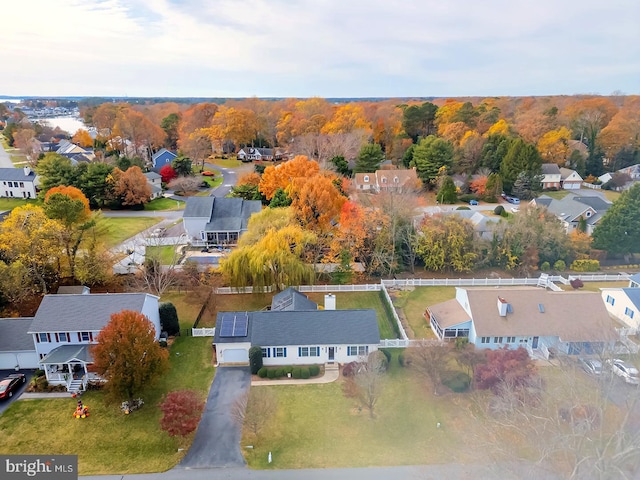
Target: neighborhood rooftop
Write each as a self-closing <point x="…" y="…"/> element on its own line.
<point x="13" y="334"/>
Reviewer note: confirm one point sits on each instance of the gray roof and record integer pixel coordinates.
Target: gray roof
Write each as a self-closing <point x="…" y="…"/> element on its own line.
<point x="16" y="175"/>
<point x="550" y="169"/>
<point x="72" y="289"/>
<point x="312" y="327"/>
<point x="152" y="175"/>
<point x="567" y="172"/>
<point x="198" y="207"/>
<point x="543" y="200"/>
<point x="634" y="296"/>
<point x="571" y="207"/>
<point x="66" y="353"/>
<point x="77" y="313"/>
<point x="635" y="277"/>
<point x="224" y="214"/>
<point x="291" y="299"/>
<point x="14" y="334"/>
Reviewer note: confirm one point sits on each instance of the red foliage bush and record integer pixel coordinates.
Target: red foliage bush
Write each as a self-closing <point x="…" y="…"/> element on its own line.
<point x="181" y="412"/>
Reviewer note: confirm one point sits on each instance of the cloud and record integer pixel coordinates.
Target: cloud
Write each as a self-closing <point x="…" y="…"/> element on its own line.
<point x="320" y="47"/>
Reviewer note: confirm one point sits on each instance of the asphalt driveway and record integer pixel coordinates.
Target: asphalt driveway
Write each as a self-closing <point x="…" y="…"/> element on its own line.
<point x="4" y="404"/>
<point x="217" y="440"/>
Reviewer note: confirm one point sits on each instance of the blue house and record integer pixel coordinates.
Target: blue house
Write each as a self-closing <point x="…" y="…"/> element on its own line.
<point x="161" y="158"/>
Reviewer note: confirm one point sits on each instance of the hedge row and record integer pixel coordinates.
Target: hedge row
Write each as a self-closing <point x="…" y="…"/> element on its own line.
<point x="296" y="372"/>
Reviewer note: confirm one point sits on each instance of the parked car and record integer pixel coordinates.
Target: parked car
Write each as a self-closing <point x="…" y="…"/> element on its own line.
<point x="591" y="365"/>
<point x="514" y="200"/>
<point x="158" y="232"/>
<point x="473" y="202"/>
<point x="10" y="384"/>
<point x="624" y="370"/>
<point x="208" y="173"/>
<point x="515" y="209"/>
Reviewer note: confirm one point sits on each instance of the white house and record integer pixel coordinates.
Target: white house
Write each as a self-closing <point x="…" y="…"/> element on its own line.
<point x="155" y="182"/>
<point x="623" y="304"/>
<point x="550" y="176"/>
<point x="634" y="281"/>
<point x="570" y="179"/>
<point x="65" y="325"/>
<point x="295" y="332"/>
<point x="571" y="322"/>
<point x="388" y="180"/>
<point x="573" y="209"/>
<point x="18" y="183"/>
<point x="16" y="345"/>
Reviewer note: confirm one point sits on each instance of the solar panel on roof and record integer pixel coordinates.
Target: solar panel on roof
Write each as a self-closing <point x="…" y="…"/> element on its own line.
<point x="241" y="325"/>
<point x="226" y="328"/>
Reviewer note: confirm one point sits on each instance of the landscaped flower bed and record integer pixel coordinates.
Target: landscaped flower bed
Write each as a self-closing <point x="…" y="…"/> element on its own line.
<point x="290" y="371"/>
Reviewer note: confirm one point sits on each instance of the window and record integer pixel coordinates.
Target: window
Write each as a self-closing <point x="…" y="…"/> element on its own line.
<point x="21" y="184"/>
<point x="42" y="337"/>
<point x="63" y="337"/>
<point x="308" y="351"/>
<point x="355" y="350"/>
<point x="611" y="300"/>
<point x="266" y="352"/>
<point x="628" y="312"/>
<point x="497" y="339"/>
<point x="366" y="178"/>
<point x="511" y="339"/>
<point x="280" y="352"/>
<point x="485" y="339"/>
<point x="588" y="214"/>
<point x="85" y="336"/>
<point x="384" y="179"/>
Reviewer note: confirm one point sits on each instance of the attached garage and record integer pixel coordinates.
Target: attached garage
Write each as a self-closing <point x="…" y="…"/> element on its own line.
<point x="236" y="356"/>
<point x="16" y="345"/>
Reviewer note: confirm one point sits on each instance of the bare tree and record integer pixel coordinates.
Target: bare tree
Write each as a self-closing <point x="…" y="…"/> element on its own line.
<point x="365" y="385"/>
<point x="255" y="409"/>
<point x="429" y="360"/>
<point x="185" y="184"/>
<point x="157" y="275"/>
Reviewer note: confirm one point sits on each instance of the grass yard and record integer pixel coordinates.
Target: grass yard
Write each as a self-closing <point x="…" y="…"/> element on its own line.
<point x="187" y="304"/>
<point x="116" y="230"/>
<point x="213" y="182"/>
<point x="167" y="254"/>
<point x="315" y="426"/>
<point x="414" y="302"/>
<point x="108" y="441"/>
<point x="11" y="203"/>
<point x="164" y="204"/>
<point x="595" y="286"/>
<point x="225" y="163"/>
<point x="558" y="194"/>
<point x="611" y="195"/>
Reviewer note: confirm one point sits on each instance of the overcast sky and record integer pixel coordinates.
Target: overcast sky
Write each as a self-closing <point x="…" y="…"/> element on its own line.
<point x="327" y="48"/>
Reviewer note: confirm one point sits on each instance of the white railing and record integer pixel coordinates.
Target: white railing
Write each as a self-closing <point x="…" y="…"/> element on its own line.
<point x="600" y="277"/>
<point x="458" y="282"/>
<point x="630" y="346"/>
<point x="591" y="186"/>
<point x="626" y="331"/>
<point x="369" y="287"/>
<point x="406" y="343"/>
<point x="203" y="332"/>
<point x="387" y="298"/>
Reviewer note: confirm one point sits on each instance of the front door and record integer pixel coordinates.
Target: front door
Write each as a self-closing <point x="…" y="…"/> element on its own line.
<point x="332" y="352"/>
<point x="534" y="344"/>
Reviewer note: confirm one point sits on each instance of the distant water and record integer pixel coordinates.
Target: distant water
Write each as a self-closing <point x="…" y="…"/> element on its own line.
<point x="68" y="124"/>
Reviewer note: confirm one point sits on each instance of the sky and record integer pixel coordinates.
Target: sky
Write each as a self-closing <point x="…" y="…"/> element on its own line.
<point x="326" y="48"/>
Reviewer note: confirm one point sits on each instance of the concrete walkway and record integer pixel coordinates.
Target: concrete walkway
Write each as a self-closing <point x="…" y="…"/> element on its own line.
<point x="330" y="375"/>
<point x="32" y="395"/>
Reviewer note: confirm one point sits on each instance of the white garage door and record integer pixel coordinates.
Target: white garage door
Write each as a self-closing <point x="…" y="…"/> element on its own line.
<point x="8" y="361"/>
<point x="235" y="355"/>
<point x="28" y="360"/>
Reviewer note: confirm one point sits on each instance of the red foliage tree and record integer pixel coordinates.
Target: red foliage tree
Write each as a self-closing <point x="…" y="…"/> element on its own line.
<point x="505" y="366"/>
<point x="167" y="173"/>
<point x="181" y="411"/>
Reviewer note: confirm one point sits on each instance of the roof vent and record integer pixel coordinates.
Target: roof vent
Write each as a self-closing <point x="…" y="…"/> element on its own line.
<point x="541" y="308"/>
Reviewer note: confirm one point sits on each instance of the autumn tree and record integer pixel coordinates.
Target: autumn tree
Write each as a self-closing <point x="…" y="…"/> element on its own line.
<point x="429" y="156"/>
<point x="93" y="264"/>
<point x="127" y="355"/>
<point x="429" y="361"/>
<point x="28" y="236"/>
<point x="369" y="158"/>
<point x="479" y="185"/>
<point x="24" y="140"/>
<point x="282" y="175"/>
<point x="255" y="409"/>
<point x="130" y="188"/>
<point x="512" y="367"/>
<point x="70" y="207"/>
<point x="346" y="119"/>
<point x="445" y="243"/>
<point x="182" y="185"/>
<point x="82" y="138"/>
<point x="181" y="411"/>
<point x="554" y="146"/>
<point x="16" y="282"/>
<point x="316" y="202"/>
<point x="618" y="232"/>
<point x="136" y="127"/>
<point x="167" y="173"/>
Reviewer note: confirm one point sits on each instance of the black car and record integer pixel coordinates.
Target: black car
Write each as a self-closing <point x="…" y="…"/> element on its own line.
<point x="10" y="384"/>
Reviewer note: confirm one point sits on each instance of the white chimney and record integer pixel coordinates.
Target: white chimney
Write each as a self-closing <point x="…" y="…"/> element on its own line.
<point x="27" y="171"/>
<point x="329" y="301"/>
<point x="502" y="307"/>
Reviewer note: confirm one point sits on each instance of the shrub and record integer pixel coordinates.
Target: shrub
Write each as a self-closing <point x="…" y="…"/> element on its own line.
<point x="387" y="354"/>
<point x="295" y="373"/>
<point x="381" y="357"/>
<point x="576" y="283"/>
<point x="350" y="369"/>
<point x="314" y="370"/>
<point x="545" y="267"/>
<point x="169" y="318"/>
<point x="255" y="359"/>
<point x="457" y="382"/>
<point x="271" y="373"/>
<point x="262" y="373"/>
<point x="585" y="265"/>
<point x="288" y="369"/>
<point x="401" y="359"/>
<point x="467" y="197"/>
<point x="279" y="372"/>
<point x="560" y="266"/>
<point x="463" y="208"/>
<point x="304" y="372"/>
<point x="38" y="373"/>
<point x="499" y="210"/>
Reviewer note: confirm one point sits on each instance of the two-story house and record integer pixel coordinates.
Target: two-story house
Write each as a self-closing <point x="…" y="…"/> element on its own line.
<point x="390" y="180"/>
<point x="551" y="176"/>
<point x="65" y="325"/>
<point x="161" y="158"/>
<point x="18" y="183"/>
<point x="155" y="182"/>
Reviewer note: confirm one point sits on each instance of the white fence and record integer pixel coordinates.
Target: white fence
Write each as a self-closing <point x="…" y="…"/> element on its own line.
<point x="370" y="287"/>
<point x="620" y="277"/>
<point x="203" y="332"/>
<point x="458" y="282"/>
<point x="392" y="308"/>
<point x="591" y="186"/>
<point x="406" y="343"/>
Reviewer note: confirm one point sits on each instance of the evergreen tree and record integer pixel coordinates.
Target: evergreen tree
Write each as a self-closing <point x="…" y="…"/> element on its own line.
<point x="429" y="156"/>
<point x="369" y="158"/>
<point x="521" y="157"/>
<point x="280" y="199"/>
<point x="342" y="166"/>
<point x="447" y="192"/>
<point x="619" y="230"/>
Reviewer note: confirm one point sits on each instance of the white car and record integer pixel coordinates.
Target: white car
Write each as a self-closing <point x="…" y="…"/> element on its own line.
<point x="590" y="365"/>
<point x="515" y="209"/>
<point x="626" y="371"/>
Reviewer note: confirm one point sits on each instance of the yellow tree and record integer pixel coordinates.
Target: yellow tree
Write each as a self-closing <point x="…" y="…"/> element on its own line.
<point x="346" y="119"/>
<point x="237" y="125"/>
<point x="501" y="127"/>
<point x="281" y="176"/>
<point x="28" y="236"/>
<point x="446" y="114"/>
<point x="82" y="138"/>
<point x="316" y="202"/>
<point x="554" y="146"/>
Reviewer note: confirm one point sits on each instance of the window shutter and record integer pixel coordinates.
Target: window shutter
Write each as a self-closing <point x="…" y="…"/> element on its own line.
<point x="37" y="338"/>
<point x="79" y="338"/>
<point x="285" y="351"/>
<point x="91" y="336"/>
<point x="57" y="337"/>
<point x="48" y="337"/>
<point x="68" y="337"/>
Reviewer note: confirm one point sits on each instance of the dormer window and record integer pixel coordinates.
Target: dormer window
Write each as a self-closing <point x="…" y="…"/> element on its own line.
<point x="366" y="178"/>
<point x="384" y="179"/>
<point x="588" y="214"/>
<point x="396" y="180"/>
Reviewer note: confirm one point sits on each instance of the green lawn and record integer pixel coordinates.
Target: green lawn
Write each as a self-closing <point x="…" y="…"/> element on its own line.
<point x="414" y="303"/>
<point x="611" y="195"/>
<point x="226" y="163"/>
<point x="116" y="230"/>
<point x="213" y="182"/>
<point x="11" y="203"/>
<point x="109" y="442"/>
<point x="167" y="254"/>
<point x="165" y="204"/>
<point x="315" y="426"/>
<point x="188" y="305"/>
<point x="595" y="286"/>
<point x="558" y="195"/>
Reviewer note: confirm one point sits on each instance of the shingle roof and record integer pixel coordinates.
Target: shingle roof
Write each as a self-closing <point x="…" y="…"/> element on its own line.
<point x="573" y="206"/>
<point x="14" y="334"/>
<point x="635" y="278"/>
<point x="634" y="296"/>
<point x="161" y="152"/>
<point x="198" y="207"/>
<point x="567" y="172"/>
<point x="291" y="299"/>
<point x="65" y="353"/>
<point x="152" y="175"/>
<point x="231" y="214"/>
<point x="16" y="175"/>
<point x="449" y="313"/>
<point x="72" y="289"/>
<point x="550" y="169"/>
<point x="74" y="313"/>
<point x="317" y="327"/>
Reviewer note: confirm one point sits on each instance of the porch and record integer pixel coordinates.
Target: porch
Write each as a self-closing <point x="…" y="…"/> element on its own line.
<point x="67" y="365"/>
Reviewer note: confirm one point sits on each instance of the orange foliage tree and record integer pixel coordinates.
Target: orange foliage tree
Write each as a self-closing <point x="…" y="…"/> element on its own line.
<point x="346" y="119"/>
<point x="82" y="138"/>
<point x="316" y="201"/>
<point x="281" y="176"/>
<point x="130" y="188"/>
<point x="181" y="411"/>
<point x="127" y="355"/>
<point x="554" y="146"/>
<point x="479" y="185"/>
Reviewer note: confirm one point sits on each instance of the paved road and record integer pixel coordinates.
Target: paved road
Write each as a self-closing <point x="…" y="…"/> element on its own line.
<point x="4" y="404"/>
<point x="5" y="159"/>
<point x="217" y="440"/>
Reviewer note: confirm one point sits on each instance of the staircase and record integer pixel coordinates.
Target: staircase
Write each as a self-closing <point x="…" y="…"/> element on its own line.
<point x="328" y="367"/>
<point x="75" y="386"/>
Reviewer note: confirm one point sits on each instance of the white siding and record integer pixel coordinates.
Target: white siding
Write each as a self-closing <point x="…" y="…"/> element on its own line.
<point x="43" y="348"/>
<point x="150" y="310"/>
<point x="341" y="355"/>
<point x="621" y="302"/>
<point x="194" y="225"/>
